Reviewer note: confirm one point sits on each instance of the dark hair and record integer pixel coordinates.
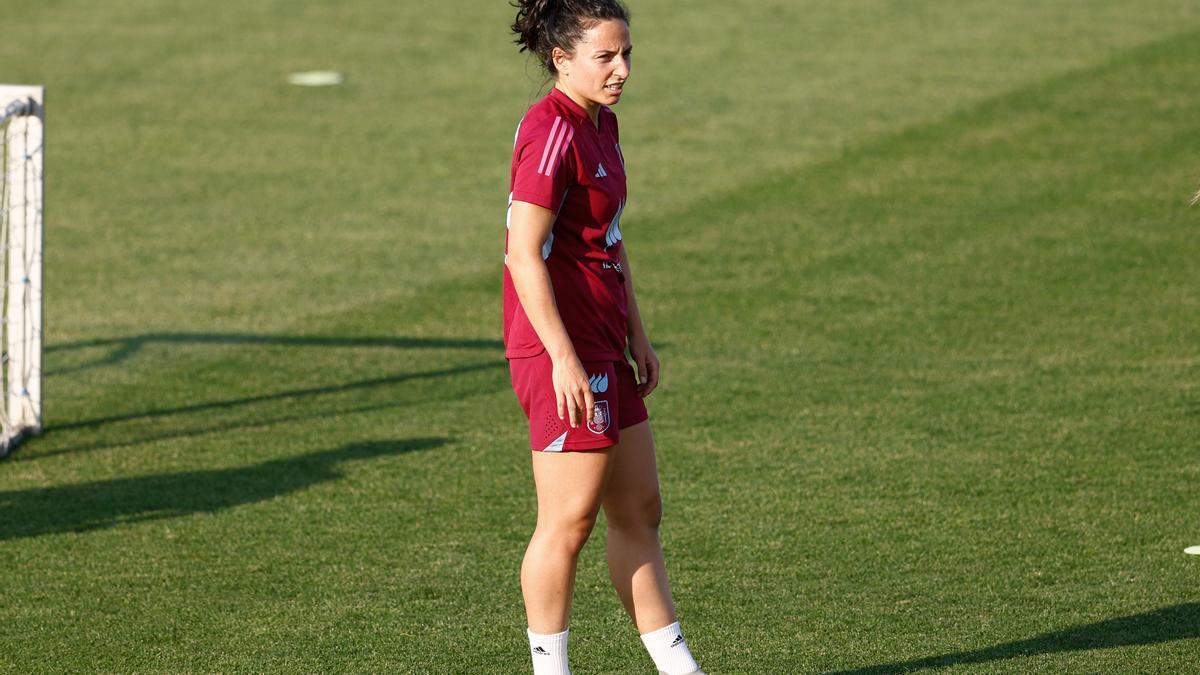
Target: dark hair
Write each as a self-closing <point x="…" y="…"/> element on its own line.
<point x="542" y="25"/>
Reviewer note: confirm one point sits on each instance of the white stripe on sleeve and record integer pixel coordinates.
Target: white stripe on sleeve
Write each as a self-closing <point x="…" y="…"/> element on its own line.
<point x="560" y="149"/>
<point x="549" y="142"/>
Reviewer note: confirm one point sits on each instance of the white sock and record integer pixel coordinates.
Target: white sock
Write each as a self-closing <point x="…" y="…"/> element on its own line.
<point x="549" y="653"/>
<point x="670" y="651"/>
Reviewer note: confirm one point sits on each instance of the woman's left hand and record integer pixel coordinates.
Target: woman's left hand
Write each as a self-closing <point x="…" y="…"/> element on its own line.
<point x="647" y="365"/>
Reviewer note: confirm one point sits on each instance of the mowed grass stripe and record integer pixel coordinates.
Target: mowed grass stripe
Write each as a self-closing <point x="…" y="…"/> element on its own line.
<point x="832" y="254"/>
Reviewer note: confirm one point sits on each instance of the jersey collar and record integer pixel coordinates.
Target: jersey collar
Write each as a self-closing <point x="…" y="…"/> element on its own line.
<point x="574" y="108"/>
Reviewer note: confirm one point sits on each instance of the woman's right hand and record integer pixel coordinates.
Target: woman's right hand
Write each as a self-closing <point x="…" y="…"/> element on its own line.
<point x="572" y="391"/>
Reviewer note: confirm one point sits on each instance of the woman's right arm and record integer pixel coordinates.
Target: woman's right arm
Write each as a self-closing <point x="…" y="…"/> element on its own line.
<point x="529" y="227"/>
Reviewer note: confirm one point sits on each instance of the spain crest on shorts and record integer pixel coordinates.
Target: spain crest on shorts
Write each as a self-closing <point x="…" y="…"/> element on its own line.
<point x="600" y="418"/>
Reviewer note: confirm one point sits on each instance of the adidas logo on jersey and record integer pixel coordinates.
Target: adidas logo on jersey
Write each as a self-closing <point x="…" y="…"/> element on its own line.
<point x="601" y="173"/>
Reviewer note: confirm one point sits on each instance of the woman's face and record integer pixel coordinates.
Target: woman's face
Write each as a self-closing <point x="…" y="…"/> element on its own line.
<point x="595" y="74"/>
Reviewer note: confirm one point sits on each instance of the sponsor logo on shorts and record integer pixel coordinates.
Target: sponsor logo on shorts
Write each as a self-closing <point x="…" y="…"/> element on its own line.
<point x="600" y="418"/>
<point x="599" y="383"/>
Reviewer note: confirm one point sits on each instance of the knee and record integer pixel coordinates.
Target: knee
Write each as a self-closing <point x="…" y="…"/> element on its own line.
<point x="641" y="514"/>
<point x="568" y="534"/>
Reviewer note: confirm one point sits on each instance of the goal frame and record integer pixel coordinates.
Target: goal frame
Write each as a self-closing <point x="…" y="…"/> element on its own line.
<point x="22" y="196"/>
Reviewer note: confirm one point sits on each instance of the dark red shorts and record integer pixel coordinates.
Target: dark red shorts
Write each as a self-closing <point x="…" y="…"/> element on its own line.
<point x="614" y="388"/>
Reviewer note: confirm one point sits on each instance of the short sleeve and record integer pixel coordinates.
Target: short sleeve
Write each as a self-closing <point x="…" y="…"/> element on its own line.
<point x="543" y="165"/>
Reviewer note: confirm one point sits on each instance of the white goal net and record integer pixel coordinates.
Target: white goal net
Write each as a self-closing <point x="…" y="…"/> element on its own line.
<point x="22" y="115"/>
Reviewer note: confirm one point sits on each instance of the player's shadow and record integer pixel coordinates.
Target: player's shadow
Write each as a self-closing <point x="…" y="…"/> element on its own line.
<point x="102" y="504"/>
<point x="1179" y="622"/>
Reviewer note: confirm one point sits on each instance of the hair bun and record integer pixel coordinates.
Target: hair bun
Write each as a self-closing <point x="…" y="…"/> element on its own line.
<point x="531" y="15"/>
<point x="542" y="25"/>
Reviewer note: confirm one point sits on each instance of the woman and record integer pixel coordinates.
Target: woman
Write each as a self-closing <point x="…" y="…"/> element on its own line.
<point x="570" y="313"/>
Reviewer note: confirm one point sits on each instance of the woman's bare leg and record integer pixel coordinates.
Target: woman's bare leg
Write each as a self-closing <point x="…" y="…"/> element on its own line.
<point x="569" y="489"/>
<point x="633" y="508"/>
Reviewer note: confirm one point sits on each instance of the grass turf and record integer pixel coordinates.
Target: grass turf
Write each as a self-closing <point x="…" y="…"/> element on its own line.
<point x="921" y="274"/>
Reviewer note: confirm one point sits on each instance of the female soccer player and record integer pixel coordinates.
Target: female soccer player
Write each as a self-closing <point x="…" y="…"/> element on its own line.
<point x="569" y="315"/>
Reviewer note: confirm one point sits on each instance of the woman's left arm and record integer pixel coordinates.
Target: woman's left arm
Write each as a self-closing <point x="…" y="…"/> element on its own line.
<point x="643" y="354"/>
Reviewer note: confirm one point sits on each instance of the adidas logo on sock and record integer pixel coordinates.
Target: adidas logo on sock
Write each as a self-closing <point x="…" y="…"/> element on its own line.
<point x="540" y="652"/>
<point x="677" y="641"/>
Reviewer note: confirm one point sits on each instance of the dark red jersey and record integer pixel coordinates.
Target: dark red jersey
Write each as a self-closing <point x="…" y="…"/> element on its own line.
<point x="563" y="162"/>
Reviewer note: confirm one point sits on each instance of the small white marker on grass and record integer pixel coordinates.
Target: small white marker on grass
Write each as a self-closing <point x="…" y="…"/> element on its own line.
<point x="1192" y="550"/>
<point x="316" y="78"/>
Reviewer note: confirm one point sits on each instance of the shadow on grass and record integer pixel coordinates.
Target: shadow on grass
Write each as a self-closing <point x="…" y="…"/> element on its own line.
<point x="1180" y="622"/>
<point x="367" y="383"/>
<point x="93" y="506"/>
<point x="124" y="348"/>
<point x="149" y="435"/>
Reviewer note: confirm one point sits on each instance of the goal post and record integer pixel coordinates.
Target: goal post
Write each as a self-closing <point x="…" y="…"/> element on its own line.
<point x="22" y="150"/>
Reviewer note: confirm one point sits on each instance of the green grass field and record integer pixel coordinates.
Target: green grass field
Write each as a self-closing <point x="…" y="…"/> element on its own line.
<point x="922" y="276"/>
